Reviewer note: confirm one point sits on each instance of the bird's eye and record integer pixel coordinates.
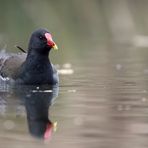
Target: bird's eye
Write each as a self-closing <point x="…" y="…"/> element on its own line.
<point x="41" y="37"/>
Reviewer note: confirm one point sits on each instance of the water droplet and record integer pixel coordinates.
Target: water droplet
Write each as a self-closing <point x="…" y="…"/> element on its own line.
<point x="37" y="87"/>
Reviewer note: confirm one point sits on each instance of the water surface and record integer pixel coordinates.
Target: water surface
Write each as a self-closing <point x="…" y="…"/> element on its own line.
<point x="101" y="103"/>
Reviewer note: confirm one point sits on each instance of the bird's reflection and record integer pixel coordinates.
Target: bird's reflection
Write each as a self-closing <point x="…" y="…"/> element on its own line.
<point x="37" y="101"/>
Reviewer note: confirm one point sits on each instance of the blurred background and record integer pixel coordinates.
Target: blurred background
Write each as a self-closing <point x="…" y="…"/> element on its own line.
<point x="103" y="64"/>
<point x="76" y="25"/>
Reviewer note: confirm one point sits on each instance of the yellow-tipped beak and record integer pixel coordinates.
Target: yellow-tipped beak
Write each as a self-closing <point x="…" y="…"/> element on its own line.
<point x="55" y="126"/>
<point x="55" y="47"/>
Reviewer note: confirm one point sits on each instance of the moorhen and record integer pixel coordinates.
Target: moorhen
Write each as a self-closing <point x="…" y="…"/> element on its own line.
<point x="33" y="68"/>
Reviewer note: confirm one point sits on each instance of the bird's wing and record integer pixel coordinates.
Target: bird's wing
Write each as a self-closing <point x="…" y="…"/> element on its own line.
<point x="10" y="66"/>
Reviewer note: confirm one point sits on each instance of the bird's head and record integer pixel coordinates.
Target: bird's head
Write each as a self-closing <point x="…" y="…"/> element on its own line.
<point x="41" y="41"/>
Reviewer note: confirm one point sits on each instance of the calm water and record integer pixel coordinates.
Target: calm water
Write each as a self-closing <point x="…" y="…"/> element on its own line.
<point x="102" y="102"/>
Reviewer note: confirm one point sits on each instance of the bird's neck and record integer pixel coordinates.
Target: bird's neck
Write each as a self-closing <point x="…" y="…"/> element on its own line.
<point x="35" y="57"/>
